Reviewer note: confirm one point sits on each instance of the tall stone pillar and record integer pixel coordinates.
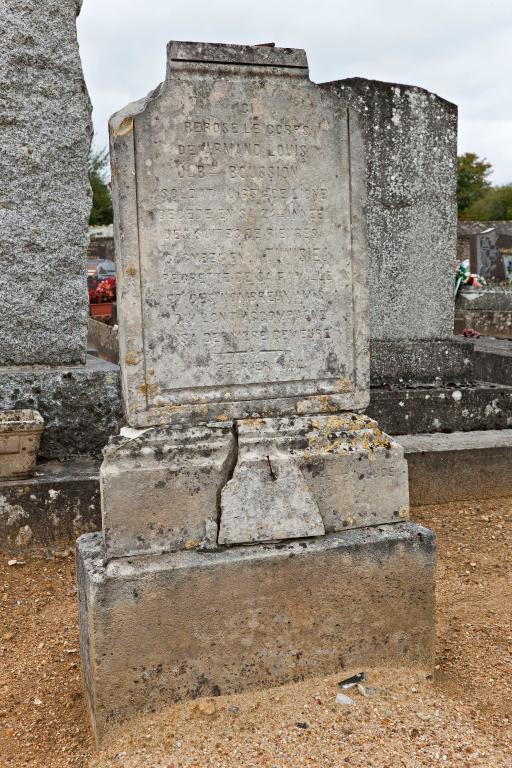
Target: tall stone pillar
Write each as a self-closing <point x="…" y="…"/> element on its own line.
<point x="45" y="200"/>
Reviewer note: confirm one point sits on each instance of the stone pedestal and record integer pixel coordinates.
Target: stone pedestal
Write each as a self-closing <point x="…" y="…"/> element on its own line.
<point x="159" y="629"/>
<point x="252" y="481"/>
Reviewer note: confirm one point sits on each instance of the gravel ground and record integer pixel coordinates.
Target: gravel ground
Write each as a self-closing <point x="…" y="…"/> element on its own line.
<point x="461" y="717"/>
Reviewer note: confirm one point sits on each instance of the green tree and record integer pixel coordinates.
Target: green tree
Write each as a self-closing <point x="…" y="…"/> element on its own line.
<point x="494" y="205"/>
<point x="472" y="183"/>
<point x="101" y="211"/>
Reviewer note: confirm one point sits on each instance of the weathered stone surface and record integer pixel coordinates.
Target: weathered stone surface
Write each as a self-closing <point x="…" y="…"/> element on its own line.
<point x="44" y="189"/>
<point x="80" y="405"/>
<point x="408" y="363"/>
<point x="239" y="193"/>
<point x="104" y="339"/>
<point x="411" y="148"/>
<point x="353" y="473"/>
<point x="160" y="629"/>
<point x="160" y="491"/>
<point x="442" y="409"/>
<point x="458" y="466"/>
<point x="50" y="510"/>
<point x="268" y="500"/>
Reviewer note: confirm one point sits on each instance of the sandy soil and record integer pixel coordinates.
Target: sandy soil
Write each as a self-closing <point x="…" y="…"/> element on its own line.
<point x="462" y="717"/>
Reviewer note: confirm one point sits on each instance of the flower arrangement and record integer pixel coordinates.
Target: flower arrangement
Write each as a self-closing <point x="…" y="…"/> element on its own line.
<point x="105" y="291"/>
<point x="464" y="277"/>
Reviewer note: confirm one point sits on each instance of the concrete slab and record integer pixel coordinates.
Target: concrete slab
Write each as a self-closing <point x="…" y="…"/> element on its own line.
<point x="160" y="629"/>
<point x="458" y="466"/>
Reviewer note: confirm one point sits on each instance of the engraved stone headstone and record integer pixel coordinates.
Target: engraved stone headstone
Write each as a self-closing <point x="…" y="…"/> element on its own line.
<point x="238" y="189"/>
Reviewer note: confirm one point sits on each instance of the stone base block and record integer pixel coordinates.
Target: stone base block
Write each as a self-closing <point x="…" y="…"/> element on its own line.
<point x="160" y="629"/>
<point x="80" y="405"/>
<point x="255" y="481"/>
<point x="310" y="475"/>
<point x="160" y="491"/>
<point x="50" y="510"/>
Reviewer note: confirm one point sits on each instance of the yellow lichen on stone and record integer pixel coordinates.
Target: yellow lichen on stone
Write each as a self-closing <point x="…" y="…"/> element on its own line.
<point x="255" y="423"/>
<point x="124" y="128"/>
<point x="131" y="358"/>
<point x="343" y="385"/>
<point x="148" y="390"/>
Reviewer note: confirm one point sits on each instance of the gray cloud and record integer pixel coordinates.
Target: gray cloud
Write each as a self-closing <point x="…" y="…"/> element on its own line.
<point x="459" y="49"/>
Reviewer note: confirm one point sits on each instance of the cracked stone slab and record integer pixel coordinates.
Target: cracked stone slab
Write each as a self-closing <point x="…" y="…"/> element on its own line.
<point x="265" y="501"/>
<point x="355" y="474"/>
<point x="160" y="489"/>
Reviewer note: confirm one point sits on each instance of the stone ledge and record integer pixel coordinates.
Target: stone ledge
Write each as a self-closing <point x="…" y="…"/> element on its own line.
<point x="50" y="510"/>
<point x="458" y="466"/>
<point x="493" y="360"/>
<point x="411" y="410"/>
<point x="487" y="322"/>
<point x="160" y="629"/>
<point x="421" y="361"/>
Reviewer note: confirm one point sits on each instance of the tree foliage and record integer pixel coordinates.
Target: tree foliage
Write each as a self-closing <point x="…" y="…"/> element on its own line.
<point x="494" y="205"/>
<point x="472" y="173"/>
<point x="101" y="211"/>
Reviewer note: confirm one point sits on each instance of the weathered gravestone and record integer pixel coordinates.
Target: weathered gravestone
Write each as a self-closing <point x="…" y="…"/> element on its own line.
<point x="410" y="138"/>
<point x="239" y="188"/>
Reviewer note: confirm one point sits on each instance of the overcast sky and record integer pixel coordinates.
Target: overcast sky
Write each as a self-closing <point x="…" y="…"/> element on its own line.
<point x="460" y="49"/>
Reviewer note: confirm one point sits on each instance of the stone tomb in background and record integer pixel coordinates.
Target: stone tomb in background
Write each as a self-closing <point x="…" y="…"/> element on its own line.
<point x="239" y="190"/>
